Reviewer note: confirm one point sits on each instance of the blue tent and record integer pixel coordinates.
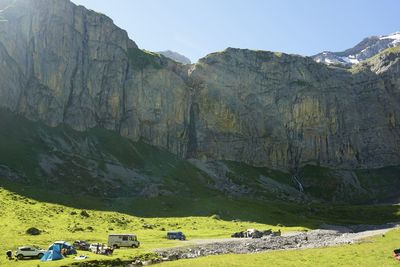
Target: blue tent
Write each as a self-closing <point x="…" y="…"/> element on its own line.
<point x="64" y="245"/>
<point x="52" y="255"/>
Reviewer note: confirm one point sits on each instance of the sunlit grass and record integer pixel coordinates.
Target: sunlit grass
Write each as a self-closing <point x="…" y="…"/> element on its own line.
<point x="60" y="222"/>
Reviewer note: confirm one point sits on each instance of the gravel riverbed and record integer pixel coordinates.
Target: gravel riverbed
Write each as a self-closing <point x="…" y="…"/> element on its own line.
<point x="329" y="236"/>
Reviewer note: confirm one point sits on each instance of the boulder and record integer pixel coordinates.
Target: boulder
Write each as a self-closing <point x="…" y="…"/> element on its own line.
<point x="33" y="231"/>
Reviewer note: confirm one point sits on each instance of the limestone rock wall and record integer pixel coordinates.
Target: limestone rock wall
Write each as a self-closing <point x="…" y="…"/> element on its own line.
<point x="74" y="66"/>
<point x="284" y="111"/>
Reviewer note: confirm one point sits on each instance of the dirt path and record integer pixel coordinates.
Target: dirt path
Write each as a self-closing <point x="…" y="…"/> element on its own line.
<point x="361" y="235"/>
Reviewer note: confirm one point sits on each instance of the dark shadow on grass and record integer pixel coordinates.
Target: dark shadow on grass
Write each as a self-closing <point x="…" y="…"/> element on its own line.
<point x="268" y="212"/>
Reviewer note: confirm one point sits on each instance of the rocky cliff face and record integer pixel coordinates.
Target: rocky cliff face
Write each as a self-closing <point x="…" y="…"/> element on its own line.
<point x="63" y="64"/>
<point x="283" y="111"/>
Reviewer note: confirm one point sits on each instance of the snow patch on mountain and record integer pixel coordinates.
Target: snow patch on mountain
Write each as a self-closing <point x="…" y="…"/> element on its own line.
<point x="395" y="36"/>
<point x="365" y="49"/>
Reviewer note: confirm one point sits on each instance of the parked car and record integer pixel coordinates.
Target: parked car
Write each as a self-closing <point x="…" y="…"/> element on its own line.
<point x="123" y="240"/>
<point x="81" y="245"/>
<point x="176" y="235"/>
<point x="29" y="251"/>
<point x="100" y="248"/>
<point x="93" y="247"/>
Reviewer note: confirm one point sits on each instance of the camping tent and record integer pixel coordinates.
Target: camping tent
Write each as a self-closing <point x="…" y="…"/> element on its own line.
<point x="69" y="249"/>
<point x="53" y="254"/>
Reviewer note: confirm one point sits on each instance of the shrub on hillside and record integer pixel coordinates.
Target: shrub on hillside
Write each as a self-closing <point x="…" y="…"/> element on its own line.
<point x="147" y="226"/>
<point x="33" y="231"/>
<point x="84" y="213"/>
<point x="75" y="228"/>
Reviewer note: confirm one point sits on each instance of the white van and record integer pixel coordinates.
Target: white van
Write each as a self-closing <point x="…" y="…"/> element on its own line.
<point x="123" y="240"/>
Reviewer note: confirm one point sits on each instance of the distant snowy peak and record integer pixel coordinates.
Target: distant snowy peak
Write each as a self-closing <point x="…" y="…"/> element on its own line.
<point x="395" y="36"/>
<point x="331" y="58"/>
<point x="175" y="56"/>
<point x="365" y="49"/>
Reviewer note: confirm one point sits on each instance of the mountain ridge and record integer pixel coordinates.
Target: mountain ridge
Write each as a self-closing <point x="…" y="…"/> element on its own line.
<point x="367" y="48"/>
<point x="175" y="56"/>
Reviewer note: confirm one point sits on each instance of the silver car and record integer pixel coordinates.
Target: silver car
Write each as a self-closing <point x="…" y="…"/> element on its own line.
<point x="29" y="251"/>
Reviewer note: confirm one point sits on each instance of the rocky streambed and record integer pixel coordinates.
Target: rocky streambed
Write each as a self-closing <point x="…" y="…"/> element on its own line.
<point x="329" y="236"/>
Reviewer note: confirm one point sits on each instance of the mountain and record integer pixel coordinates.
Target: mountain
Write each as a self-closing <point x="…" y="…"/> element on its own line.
<point x="175" y="56"/>
<point x="66" y="66"/>
<point x="367" y="48"/>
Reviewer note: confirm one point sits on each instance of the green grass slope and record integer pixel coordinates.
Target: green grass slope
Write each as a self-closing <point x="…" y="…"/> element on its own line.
<point x="59" y="222"/>
<point x="62" y="222"/>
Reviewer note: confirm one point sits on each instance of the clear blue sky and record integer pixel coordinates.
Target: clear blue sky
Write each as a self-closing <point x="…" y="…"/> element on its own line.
<point x="198" y="27"/>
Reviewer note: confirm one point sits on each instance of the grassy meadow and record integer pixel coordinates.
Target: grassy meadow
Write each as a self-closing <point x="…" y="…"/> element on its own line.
<point x="62" y="222"/>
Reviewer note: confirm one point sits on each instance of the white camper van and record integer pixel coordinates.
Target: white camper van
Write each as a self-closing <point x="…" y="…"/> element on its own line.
<point x="123" y="240"/>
